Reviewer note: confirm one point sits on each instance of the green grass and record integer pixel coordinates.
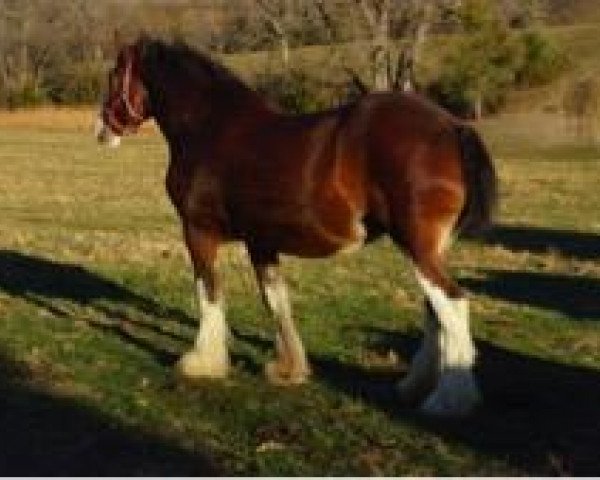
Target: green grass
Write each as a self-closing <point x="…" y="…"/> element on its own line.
<point x="96" y="303"/>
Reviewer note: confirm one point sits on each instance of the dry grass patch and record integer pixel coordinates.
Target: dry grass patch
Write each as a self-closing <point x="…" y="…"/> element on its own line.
<point x="56" y="118"/>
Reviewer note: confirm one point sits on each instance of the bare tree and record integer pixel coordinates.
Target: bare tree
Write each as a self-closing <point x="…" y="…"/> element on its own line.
<point x="377" y="16"/>
<point x="278" y="16"/>
<point x="396" y="31"/>
<point x="419" y="17"/>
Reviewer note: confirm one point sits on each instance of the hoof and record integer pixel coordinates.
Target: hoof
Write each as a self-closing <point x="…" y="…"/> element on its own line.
<point x="195" y="365"/>
<point x="412" y="390"/>
<point x="422" y="376"/>
<point x="281" y="374"/>
<point x="456" y="395"/>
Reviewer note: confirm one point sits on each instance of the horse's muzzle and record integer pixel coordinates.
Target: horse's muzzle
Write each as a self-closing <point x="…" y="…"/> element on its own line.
<point x="105" y="135"/>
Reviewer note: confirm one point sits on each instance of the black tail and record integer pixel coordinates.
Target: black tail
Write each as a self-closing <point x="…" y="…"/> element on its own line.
<point x="481" y="183"/>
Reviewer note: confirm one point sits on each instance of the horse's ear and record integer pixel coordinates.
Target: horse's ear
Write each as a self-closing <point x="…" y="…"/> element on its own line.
<point x="143" y="45"/>
<point x="142" y="42"/>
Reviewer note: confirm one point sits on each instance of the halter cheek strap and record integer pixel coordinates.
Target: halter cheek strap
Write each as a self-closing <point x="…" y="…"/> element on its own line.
<point x="133" y="114"/>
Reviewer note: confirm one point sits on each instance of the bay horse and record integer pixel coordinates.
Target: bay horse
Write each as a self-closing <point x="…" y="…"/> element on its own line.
<point x="309" y="185"/>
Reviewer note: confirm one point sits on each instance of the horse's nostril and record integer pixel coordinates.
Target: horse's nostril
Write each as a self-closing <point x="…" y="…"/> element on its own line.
<point x="105" y="135"/>
<point x="114" y="141"/>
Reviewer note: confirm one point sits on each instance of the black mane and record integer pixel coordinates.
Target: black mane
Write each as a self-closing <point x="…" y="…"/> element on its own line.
<point x="179" y="58"/>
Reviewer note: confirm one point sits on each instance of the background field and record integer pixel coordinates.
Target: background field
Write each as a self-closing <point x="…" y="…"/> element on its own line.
<point x="96" y="303"/>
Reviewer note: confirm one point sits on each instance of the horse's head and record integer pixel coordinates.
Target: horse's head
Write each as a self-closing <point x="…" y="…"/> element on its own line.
<point x="126" y="105"/>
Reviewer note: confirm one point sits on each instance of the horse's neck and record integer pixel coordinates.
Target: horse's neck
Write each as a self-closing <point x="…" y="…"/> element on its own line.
<point x="204" y="109"/>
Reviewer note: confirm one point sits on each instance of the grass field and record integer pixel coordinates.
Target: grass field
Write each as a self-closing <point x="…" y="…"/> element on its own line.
<point x="96" y="303"/>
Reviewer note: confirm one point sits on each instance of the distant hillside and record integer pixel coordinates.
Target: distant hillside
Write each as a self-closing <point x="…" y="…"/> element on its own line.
<point x="581" y="42"/>
<point x="573" y="11"/>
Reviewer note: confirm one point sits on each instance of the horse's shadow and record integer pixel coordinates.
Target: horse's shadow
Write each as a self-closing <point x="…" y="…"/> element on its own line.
<point x="33" y="277"/>
<point x="117" y="310"/>
<point x="45" y="435"/>
<point x="539" y="415"/>
<point x="580" y="245"/>
<point x="42" y="434"/>
<point x="47" y="283"/>
<point x="576" y="297"/>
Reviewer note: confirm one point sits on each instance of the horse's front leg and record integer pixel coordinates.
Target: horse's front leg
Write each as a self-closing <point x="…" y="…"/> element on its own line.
<point x="290" y="366"/>
<point x="209" y="357"/>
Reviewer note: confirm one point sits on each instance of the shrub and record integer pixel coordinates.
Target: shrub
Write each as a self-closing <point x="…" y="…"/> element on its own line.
<point x="25" y="93"/>
<point x="76" y="83"/>
<point x="542" y="59"/>
<point x="297" y="91"/>
<point x="489" y="59"/>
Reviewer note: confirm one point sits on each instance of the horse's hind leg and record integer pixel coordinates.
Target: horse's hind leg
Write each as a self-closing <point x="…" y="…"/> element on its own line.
<point x="291" y="366"/>
<point x="425" y="367"/>
<point x="455" y="392"/>
<point x="441" y="371"/>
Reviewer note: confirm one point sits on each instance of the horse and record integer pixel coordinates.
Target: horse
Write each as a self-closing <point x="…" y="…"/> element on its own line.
<point x="310" y="186"/>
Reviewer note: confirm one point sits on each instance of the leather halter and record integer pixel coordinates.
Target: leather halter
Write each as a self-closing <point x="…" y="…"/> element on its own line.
<point x="125" y="92"/>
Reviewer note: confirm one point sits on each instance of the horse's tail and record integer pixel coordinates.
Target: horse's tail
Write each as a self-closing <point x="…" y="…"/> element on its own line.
<point x="481" y="183"/>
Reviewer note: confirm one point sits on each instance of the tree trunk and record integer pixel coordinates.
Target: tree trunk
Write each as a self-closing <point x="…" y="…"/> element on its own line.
<point x="417" y="35"/>
<point x="277" y="22"/>
<point x="285" y="50"/>
<point x="381" y="59"/>
<point x="478" y="107"/>
<point x="377" y="16"/>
